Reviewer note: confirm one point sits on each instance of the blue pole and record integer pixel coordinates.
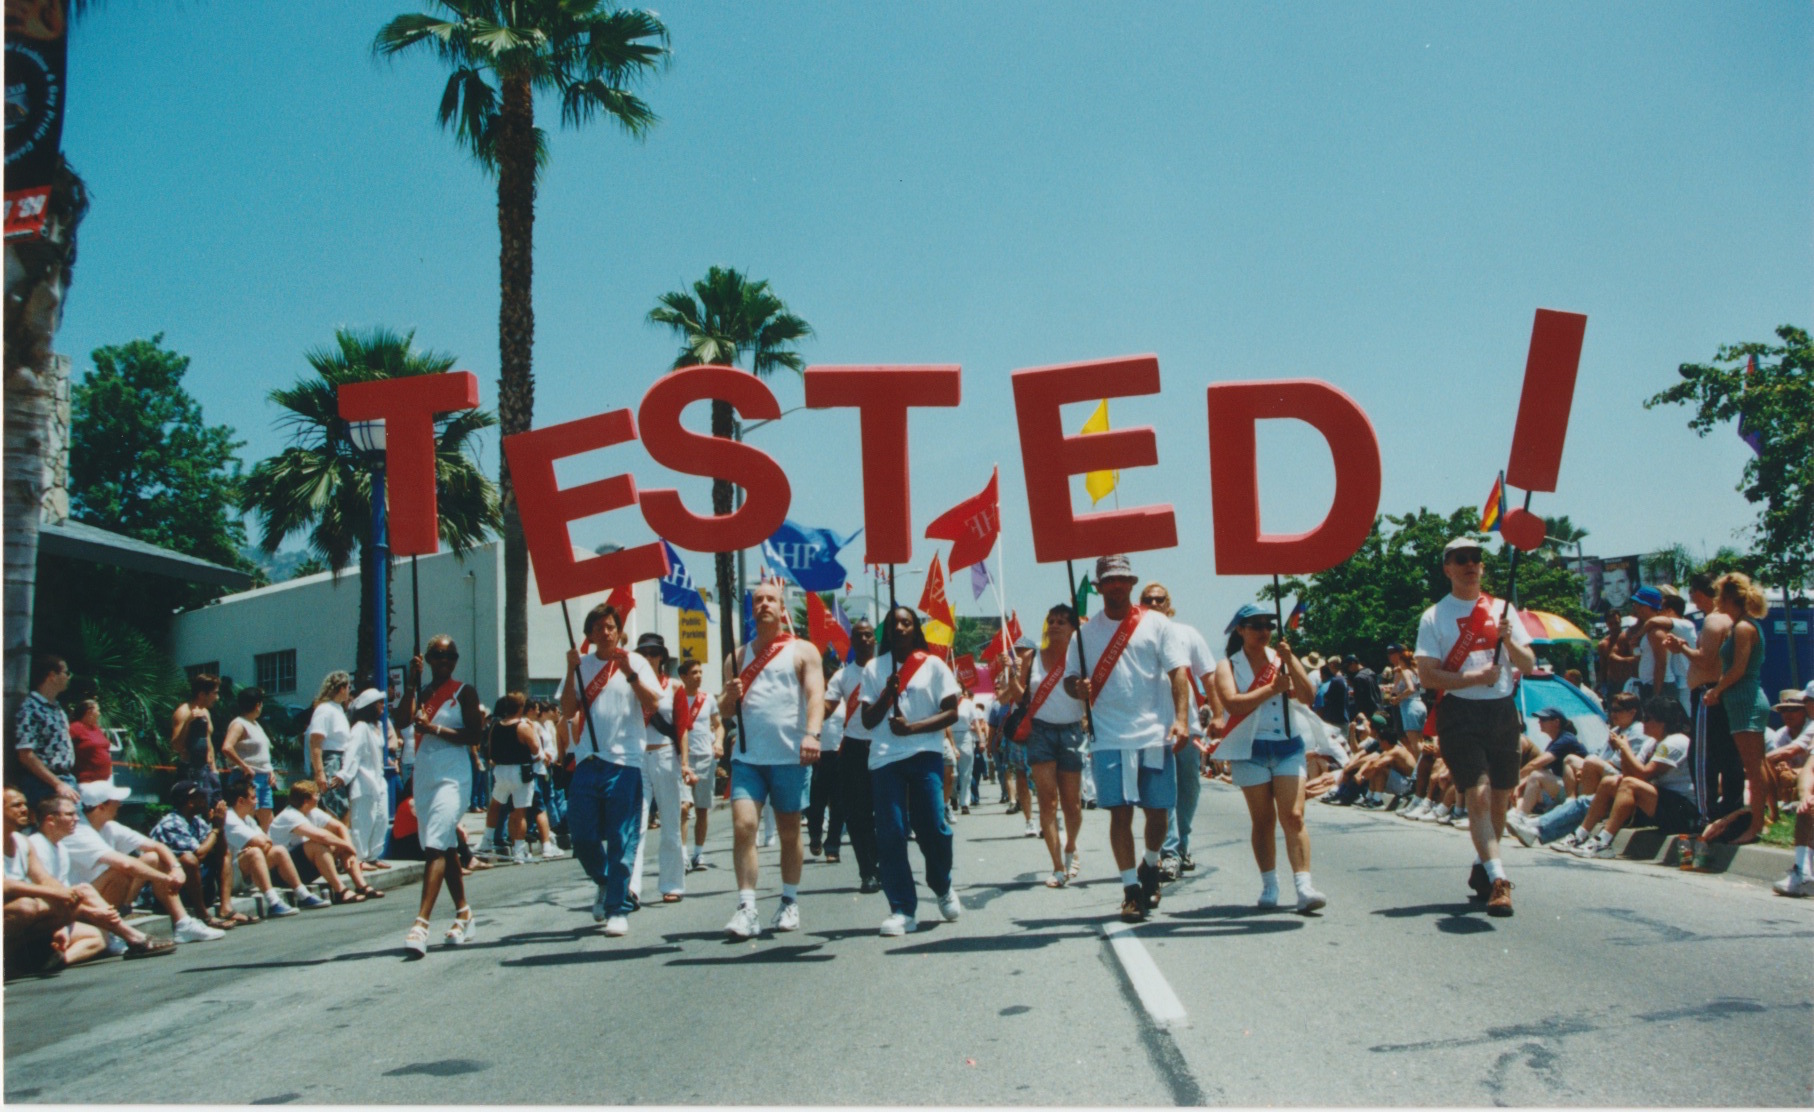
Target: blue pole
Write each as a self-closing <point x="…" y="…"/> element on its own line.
<point x="381" y="555"/>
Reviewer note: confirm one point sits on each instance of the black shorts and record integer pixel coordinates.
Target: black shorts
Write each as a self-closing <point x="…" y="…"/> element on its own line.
<point x="1676" y="813"/>
<point x="1479" y="737"/>
<point x="305" y="869"/>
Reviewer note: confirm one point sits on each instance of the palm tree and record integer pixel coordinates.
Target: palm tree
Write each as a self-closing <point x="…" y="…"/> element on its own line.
<point x="321" y="484"/>
<point x="502" y="53"/>
<point x="725" y="318"/>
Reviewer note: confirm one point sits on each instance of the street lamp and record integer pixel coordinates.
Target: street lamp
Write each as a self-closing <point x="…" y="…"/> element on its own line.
<point x="368" y="438"/>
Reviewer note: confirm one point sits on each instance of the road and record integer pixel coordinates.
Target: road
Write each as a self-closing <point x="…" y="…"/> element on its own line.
<point x="1615" y="984"/>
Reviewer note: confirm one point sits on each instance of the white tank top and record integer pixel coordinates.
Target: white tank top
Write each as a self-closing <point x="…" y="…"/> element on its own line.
<point x="15" y="857"/>
<point x="774" y="714"/>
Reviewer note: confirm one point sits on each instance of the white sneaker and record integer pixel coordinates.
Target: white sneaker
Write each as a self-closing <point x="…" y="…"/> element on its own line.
<point x="277" y="909"/>
<point x="194" y="930"/>
<point x="1796" y="884"/>
<point x="1596" y="848"/>
<point x="1521" y="826"/>
<point x="519" y="855"/>
<point x="950" y="906"/>
<point x="763" y="841"/>
<point x="552" y="852"/>
<point x="743" y="924"/>
<point x="617" y="926"/>
<point x="787" y="916"/>
<point x="1434" y="814"/>
<point x="1032" y="831"/>
<point x="1565" y="844"/>
<point x="898" y="924"/>
<point x="1268" y="898"/>
<point x="696" y="864"/>
<point x="1414" y="810"/>
<point x="1309" y="899"/>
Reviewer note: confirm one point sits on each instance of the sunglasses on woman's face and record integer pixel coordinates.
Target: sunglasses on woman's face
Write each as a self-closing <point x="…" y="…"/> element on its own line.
<point x="1266" y="627"/>
<point x="1154" y="600"/>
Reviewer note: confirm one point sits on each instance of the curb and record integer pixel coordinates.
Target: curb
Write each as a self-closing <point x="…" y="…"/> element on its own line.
<point x="400" y="874"/>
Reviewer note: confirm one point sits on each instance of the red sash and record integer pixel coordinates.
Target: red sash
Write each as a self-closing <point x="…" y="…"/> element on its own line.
<point x="1117" y="645"/>
<point x="439" y="697"/>
<point x="755" y="667"/>
<point x="1472" y="639"/>
<point x="850" y="704"/>
<point x="911" y="666"/>
<point x="1040" y="695"/>
<point x="599" y="681"/>
<point x="686" y="711"/>
<point x="1260" y="679"/>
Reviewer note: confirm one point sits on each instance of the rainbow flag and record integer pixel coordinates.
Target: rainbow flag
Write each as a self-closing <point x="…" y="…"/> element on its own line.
<point x="1297" y="615"/>
<point x="1493" y="512"/>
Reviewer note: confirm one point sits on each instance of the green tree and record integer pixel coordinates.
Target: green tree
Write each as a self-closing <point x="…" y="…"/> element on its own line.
<point x="726" y="319"/>
<point x="1775" y="405"/>
<point x="321" y="485"/>
<point x="143" y="462"/>
<point x="502" y="53"/>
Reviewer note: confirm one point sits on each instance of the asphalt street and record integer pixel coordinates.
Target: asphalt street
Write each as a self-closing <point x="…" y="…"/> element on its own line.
<point x="1615" y="984"/>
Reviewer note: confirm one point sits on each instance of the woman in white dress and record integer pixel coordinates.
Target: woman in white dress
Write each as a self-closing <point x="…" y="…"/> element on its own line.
<point x="449" y="724"/>
<point x="362" y="775"/>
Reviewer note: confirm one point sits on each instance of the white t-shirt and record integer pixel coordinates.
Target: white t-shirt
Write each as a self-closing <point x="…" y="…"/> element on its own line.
<point x="87" y="844"/>
<point x="1202" y="673"/>
<point x="1673" y="752"/>
<point x="831" y="732"/>
<point x="960" y="730"/>
<point x="1780" y="738"/>
<point x="848" y="682"/>
<point x="924" y="694"/>
<point x="699" y="733"/>
<point x="53" y="857"/>
<point x="651" y="737"/>
<point x="1059" y="709"/>
<point x="1134" y="708"/>
<point x="283" y="827"/>
<point x="241" y="831"/>
<point x="329" y="720"/>
<point x="1441" y="626"/>
<point x="17" y="846"/>
<point x="616" y="713"/>
<point x="1678" y="663"/>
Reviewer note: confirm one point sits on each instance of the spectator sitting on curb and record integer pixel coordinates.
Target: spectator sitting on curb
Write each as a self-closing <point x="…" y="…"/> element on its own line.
<point x="199" y="847"/>
<point x="1800" y="881"/>
<point x="316" y="840"/>
<point x="1655" y="781"/>
<point x="1622" y="719"/>
<point x="258" y="857"/>
<point x="119" y="861"/>
<point x="1786" y="749"/>
<point x="1549" y="776"/>
<point x="57" y="820"/>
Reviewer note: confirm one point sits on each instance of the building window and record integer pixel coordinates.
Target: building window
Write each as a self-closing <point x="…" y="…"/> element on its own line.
<point x="545" y="690"/>
<point x="276" y="671"/>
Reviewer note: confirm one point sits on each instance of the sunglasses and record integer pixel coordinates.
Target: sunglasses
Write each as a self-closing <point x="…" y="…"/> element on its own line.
<point x="1154" y="600"/>
<point x="440" y="654"/>
<point x="1464" y="558"/>
<point x="1266" y="625"/>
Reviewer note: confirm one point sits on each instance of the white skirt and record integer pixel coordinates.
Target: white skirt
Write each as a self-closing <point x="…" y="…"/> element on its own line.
<point x="443" y="788"/>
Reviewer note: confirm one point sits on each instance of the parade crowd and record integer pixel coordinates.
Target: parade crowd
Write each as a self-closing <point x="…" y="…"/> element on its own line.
<point x="1129" y="712"/>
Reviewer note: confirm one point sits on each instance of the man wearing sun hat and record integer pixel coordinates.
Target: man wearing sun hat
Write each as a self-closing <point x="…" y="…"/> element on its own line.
<point x="1470" y="648"/>
<point x="1138" y="691"/>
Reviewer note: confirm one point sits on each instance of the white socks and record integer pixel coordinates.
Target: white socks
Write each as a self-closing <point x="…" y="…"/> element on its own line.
<point x="790" y="893"/>
<point x="1302" y="882"/>
<point x="1129" y="876"/>
<point x="1269" y="887"/>
<point x="519" y="848"/>
<point x="271" y="896"/>
<point x="1495" y="869"/>
<point x="1151" y="857"/>
<point x="746" y="897"/>
<point x="1804" y="859"/>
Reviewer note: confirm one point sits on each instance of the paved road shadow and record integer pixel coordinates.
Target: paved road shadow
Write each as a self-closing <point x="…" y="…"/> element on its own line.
<point x="765" y="955"/>
<point x="1457" y="918"/>
<point x="589" y="957"/>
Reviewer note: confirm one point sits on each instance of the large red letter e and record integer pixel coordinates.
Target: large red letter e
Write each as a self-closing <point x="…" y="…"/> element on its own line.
<point x="545" y="509"/>
<point x="1241" y="549"/>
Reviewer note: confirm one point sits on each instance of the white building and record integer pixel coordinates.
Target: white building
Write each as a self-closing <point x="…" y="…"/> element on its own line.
<point x="287" y="636"/>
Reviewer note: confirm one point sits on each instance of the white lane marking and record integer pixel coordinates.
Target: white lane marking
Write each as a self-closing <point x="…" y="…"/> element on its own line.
<point x="1155" y="992"/>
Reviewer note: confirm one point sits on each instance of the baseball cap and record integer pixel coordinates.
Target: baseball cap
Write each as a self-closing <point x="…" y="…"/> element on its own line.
<point x="1552" y="714"/>
<point x="1648" y="596"/>
<point x="96" y="792"/>
<point x="1460" y="543"/>
<point x="182" y="790"/>
<point x="1108" y="567"/>
<point x="1248" y="610"/>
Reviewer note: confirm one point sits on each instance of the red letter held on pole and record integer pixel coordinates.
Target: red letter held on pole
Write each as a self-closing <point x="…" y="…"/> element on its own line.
<point x="670" y="444"/>
<point x="545" y="509"/>
<point x="1241" y="549"/>
<point x="407" y="406"/>
<point x="882" y="395"/>
<point x="1050" y="458"/>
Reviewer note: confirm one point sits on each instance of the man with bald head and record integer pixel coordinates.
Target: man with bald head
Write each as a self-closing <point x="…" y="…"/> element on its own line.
<point x="776" y="687"/>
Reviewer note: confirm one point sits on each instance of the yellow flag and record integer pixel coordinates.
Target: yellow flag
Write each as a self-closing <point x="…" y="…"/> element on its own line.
<point x="1099" y="483"/>
<point x="937" y="632"/>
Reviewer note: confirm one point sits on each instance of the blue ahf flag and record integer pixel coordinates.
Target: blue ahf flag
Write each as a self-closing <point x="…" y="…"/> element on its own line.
<point x="677" y="587"/>
<point x="808" y="556"/>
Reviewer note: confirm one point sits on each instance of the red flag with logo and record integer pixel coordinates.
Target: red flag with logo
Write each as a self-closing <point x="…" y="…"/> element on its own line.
<point x="933" y="602"/>
<point x="623" y="599"/>
<point x="823" y="629"/>
<point x="998" y="644"/>
<point x="972" y="526"/>
<point x="966" y="671"/>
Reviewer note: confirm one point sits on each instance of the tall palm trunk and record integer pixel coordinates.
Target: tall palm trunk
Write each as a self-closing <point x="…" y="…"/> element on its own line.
<point x="728" y="600"/>
<point x="38" y="272"/>
<point x="516" y="342"/>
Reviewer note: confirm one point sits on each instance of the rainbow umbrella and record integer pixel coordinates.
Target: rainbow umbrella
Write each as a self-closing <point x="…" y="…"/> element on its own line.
<point x="1548" y="629"/>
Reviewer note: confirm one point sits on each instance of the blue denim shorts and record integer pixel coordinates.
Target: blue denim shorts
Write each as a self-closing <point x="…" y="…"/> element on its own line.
<point x="1062" y="744"/>
<point x="1014" y="755"/>
<point x="1271" y="759"/>
<point x="783" y="786"/>
<point x="1157" y="787"/>
<point x="261" y="788"/>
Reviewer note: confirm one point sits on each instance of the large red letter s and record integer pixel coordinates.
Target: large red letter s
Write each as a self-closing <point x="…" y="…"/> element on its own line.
<point x="883" y="395"/>
<point x="1049" y="459"/>
<point x="1241" y="549"/>
<point x="671" y="445"/>
<point x="407" y="406"/>
<point x="546" y="509"/>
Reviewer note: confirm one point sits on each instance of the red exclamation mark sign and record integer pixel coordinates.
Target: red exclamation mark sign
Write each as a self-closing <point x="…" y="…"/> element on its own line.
<point x="1549" y="392"/>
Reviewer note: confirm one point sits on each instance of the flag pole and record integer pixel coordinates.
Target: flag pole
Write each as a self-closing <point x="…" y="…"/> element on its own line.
<point x="894" y="658"/>
<point x="1083" y="664"/>
<point x="415" y="602"/>
<point x="1278" y="616"/>
<point x="1511" y="588"/>
<point x="579" y="692"/>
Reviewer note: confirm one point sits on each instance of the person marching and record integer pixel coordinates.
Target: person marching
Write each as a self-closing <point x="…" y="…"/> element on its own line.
<point x="1052" y="730"/>
<point x="776" y="686"/>
<point x="1477" y="723"/>
<point x="907" y="765"/>
<point x="663" y="761"/>
<point x="854" y="786"/>
<point x="604" y="798"/>
<point x="1266" y="754"/>
<point x="1138" y="692"/>
<point x="1206" y="709"/>
<point x="448" y="724"/>
<point x="696" y="719"/>
<point x="514" y="745"/>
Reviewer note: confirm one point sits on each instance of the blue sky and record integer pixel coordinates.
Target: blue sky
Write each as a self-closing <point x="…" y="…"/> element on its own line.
<point x="1376" y="195"/>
